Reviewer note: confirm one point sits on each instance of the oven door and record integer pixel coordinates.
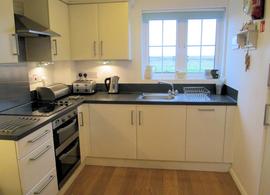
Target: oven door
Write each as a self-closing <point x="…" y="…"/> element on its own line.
<point x="65" y="131"/>
<point x="67" y="161"/>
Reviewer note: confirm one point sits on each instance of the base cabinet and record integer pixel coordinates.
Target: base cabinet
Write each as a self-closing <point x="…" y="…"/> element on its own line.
<point x="205" y="133"/>
<point x="28" y="166"/>
<point x="199" y="134"/>
<point x="161" y="133"/>
<point x="113" y="131"/>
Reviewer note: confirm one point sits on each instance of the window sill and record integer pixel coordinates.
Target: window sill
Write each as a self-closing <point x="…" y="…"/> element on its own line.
<point x="187" y="78"/>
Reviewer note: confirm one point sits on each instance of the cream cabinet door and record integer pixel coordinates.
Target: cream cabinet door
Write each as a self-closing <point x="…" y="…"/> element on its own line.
<point x="113" y="131"/>
<point x="114" y="31"/>
<point x="84" y="31"/>
<point x="161" y="132"/>
<point x="8" y="48"/>
<point x="84" y="130"/>
<point x="205" y="133"/>
<point x="59" y="22"/>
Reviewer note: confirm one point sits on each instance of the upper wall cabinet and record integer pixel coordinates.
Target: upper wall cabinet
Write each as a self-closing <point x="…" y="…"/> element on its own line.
<point x="54" y="15"/>
<point x="8" y="46"/>
<point x="99" y="31"/>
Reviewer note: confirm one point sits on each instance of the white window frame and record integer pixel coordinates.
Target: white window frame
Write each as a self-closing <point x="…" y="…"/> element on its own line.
<point x="181" y="50"/>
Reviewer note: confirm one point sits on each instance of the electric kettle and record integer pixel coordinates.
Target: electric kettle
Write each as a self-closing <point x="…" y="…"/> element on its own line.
<point x="111" y="84"/>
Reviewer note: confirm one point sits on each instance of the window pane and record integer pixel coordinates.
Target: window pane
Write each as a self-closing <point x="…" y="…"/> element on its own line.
<point x="208" y="57"/>
<point x="193" y="64"/>
<point x="208" y="51"/>
<point x="169" y="59"/>
<point x="194" y="51"/>
<point x="155" y="58"/>
<point x="193" y="59"/>
<point x="169" y="30"/>
<point x="207" y="63"/>
<point x="155" y="33"/>
<point x="194" y="32"/>
<point x="209" y="32"/>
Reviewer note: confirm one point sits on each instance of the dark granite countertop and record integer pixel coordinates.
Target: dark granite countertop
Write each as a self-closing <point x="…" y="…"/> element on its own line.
<point x="181" y="99"/>
<point x="131" y="98"/>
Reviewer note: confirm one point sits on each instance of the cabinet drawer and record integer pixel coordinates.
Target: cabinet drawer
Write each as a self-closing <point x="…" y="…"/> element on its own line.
<point x="34" y="140"/>
<point x="36" y="165"/>
<point x="205" y="133"/>
<point x="47" y="186"/>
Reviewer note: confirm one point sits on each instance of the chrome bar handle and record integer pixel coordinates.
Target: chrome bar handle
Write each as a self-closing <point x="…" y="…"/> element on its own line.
<point x="81" y="119"/>
<point x="39" y="137"/>
<point x="45" y="185"/>
<point x="41" y="153"/>
<point x="132" y="117"/>
<point x="206" y="110"/>
<point x="140" y="118"/>
<point x="95" y="48"/>
<point x="101" y="48"/>
<point x="55" y="46"/>
<point x="16" y="37"/>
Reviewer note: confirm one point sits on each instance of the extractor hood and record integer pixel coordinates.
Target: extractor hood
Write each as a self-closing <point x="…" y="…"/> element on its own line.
<point x="26" y="27"/>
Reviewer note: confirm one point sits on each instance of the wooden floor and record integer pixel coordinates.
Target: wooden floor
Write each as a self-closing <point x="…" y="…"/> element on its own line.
<point x="95" y="180"/>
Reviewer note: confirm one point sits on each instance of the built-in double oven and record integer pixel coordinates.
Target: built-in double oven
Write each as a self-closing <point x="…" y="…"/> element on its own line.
<point x="67" y="145"/>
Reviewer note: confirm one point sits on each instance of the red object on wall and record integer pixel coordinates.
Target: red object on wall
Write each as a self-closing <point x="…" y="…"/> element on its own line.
<point x="257" y="9"/>
<point x="262" y="26"/>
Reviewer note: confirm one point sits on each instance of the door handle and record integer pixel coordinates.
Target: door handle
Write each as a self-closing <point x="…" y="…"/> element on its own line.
<point x="39" y="137"/>
<point x="95" y="48"/>
<point x="206" y="110"/>
<point x="140" y="118"/>
<point x="55" y="47"/>
<point x="101" y="48"/>
<point x="41" y="153"/>
<point x="16" y="37"/>
<point x="132" y="117"/>
<point x="50" y="179"/>
<point x="81" y="119"/>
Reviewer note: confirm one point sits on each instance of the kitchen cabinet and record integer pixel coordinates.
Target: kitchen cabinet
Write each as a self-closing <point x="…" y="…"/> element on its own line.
<point x="84" y="130"/>
<point x="176" y="133"/>
<point x="161" y="133"/>
<point x="113" y="131"/>
<point x="205" y="133"/>
<point x="53" y="14"/>
<point x="8" y="47"/>
<point x="59" y="22"/>
<point x="84" y="31"/>
<point x="100" y="31"/>
<point x="28" y="166"/>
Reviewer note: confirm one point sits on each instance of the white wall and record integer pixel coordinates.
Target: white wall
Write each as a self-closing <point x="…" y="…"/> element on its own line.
<point x="131" y="71"/>
<point x="59" y="72"/>
<point x="252" y="88"/>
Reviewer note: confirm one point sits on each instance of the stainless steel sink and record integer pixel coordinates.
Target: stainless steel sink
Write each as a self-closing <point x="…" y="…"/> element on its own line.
<point x="157" y="96"/>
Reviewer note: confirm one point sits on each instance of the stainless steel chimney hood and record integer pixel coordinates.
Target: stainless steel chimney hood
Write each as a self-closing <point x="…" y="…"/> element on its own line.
<point x="26" y="27"/>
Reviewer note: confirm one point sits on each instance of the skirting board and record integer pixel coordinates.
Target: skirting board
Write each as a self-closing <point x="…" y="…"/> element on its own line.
<point x="216" y="167"/>
<point x="237" y="182"/>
